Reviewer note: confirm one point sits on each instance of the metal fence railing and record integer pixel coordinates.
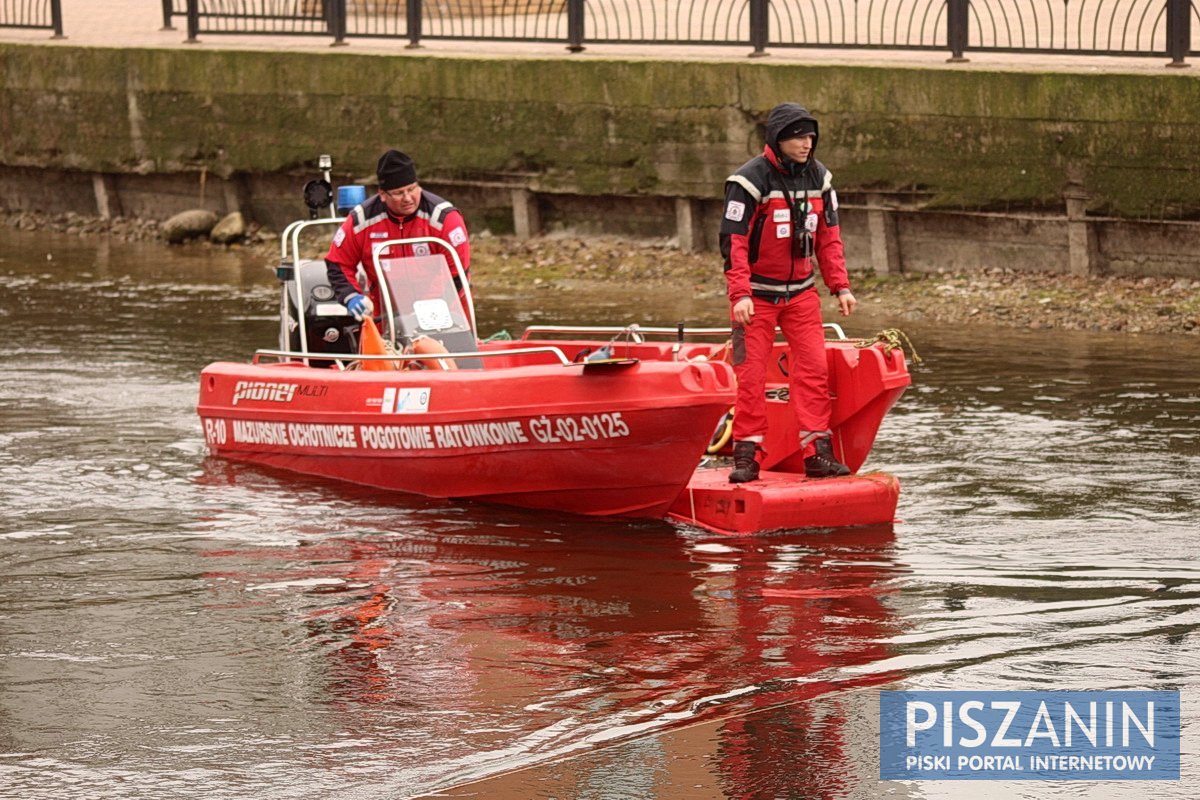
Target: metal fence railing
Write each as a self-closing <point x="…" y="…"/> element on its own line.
<point x="1065" y="27"/>
<point x="32" y="14"/>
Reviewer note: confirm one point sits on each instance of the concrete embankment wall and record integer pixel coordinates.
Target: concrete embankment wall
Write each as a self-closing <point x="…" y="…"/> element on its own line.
<point x="937" y="167"/>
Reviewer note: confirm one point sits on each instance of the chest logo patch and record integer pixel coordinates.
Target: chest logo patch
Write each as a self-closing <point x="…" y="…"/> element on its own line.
<point x="421" y="249"/>
<point x="783" y="231"/>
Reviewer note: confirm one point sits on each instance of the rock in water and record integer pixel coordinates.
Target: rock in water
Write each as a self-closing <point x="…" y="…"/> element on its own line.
<point x="231" y="228"/>
<point x="188" y="225"/>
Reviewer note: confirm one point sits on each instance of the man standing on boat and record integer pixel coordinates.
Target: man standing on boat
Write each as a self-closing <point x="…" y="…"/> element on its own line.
<point x="781" y="220"/>
<point x="401" y="210"/>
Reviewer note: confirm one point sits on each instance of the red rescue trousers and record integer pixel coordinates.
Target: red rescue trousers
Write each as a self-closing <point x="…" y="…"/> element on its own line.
<point x="800" y="320"/>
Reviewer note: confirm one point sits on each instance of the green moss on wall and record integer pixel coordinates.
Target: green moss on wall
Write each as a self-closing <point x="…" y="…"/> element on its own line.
<point x="964" y="138"/>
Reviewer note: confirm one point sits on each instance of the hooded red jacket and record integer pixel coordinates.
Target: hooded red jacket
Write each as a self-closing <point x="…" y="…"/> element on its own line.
<point x="781" y="220"/>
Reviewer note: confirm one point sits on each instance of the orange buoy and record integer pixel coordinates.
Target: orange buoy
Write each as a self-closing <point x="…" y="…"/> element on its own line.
<point x="372" y="343"/>
<point x="426" y="345"/>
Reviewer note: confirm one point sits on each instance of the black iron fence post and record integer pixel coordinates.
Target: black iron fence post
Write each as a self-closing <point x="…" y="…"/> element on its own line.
<point x="1179" y="31"/>
<point x="956" y="28"/>
<point x="336" y="12"/>
<point x="760" y="26"/>
<point x="193" y="22"/>
<point x="168" y="11"/>
<point x="575" y="32"/>
<point x="412" y="10"/>
<point x="56" y="19"/>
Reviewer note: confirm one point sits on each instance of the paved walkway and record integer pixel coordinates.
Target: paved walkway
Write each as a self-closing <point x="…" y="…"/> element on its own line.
<point x="138" y="23"/>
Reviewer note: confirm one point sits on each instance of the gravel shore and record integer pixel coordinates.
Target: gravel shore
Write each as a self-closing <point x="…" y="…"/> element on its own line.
<point x="988" y="296"/>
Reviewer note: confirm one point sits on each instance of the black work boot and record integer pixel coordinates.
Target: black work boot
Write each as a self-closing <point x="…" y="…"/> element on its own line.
<point x="745" y="468"/>
<point x="822" y="464"/>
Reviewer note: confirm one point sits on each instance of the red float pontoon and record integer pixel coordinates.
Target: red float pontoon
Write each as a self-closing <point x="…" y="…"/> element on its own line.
<point x="608" y="421"/>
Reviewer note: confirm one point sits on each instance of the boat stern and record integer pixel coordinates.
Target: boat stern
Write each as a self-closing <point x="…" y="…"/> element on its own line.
<point x="785" y="500"/>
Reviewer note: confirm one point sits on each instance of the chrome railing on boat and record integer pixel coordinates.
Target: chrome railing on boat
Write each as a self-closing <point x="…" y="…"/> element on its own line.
<point x="351" y="357"/>
<point x="291" y="236"/>
<point x="637" y="332"/>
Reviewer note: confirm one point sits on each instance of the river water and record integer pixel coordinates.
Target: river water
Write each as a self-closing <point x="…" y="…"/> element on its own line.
<point x="172" y="626"/>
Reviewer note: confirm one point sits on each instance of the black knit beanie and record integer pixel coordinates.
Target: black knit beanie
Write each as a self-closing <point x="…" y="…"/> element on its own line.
<point x="801" y="127"/>
<point x="395" y="169"/>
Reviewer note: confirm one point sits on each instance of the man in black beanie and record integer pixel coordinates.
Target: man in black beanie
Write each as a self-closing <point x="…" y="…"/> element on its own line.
<point x="401" y="210"/>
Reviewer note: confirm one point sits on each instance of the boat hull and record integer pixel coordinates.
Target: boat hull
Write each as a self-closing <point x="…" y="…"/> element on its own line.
<point x="617" y="442"/>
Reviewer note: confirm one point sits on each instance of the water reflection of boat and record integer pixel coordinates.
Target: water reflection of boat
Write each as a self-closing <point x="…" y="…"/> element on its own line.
<point x="699" y="662"/>
<point x="601" y="421"/>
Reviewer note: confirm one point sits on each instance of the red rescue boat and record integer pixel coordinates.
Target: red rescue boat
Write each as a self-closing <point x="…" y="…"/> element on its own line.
<point x="589" y="439"/>
<point x="606" y="421"/>
<point x="866" y="379"/>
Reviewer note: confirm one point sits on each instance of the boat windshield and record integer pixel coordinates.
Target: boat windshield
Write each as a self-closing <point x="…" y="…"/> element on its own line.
<point x="423" y="300"/>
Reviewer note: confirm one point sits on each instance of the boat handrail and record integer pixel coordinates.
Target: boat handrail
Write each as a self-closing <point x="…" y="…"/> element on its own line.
<point x="635" y="329"/>
<point x="291" y="234"/>
<point x="306" y="356"/>
<point x="376" y="249"/>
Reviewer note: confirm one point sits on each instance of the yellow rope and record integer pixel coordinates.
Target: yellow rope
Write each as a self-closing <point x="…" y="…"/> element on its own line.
<point x="892" y="339"/>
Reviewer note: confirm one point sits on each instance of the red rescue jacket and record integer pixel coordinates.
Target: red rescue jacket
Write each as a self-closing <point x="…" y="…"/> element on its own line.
<point x="780" y="218"/>
<point x="371" y="223"/>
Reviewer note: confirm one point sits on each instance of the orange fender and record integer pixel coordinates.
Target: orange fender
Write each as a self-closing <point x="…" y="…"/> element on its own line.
<point x="425" y="345"/>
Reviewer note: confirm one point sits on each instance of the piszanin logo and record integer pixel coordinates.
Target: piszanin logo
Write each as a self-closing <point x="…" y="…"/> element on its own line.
<point x="261" y="390"/>
<point x="1048" y="735"/>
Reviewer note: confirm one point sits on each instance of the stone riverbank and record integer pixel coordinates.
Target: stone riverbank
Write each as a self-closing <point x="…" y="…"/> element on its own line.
<point x="990" y="296"/>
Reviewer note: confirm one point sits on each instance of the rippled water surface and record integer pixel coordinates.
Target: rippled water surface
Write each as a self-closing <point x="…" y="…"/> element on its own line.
<point x="176" y="626"/>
